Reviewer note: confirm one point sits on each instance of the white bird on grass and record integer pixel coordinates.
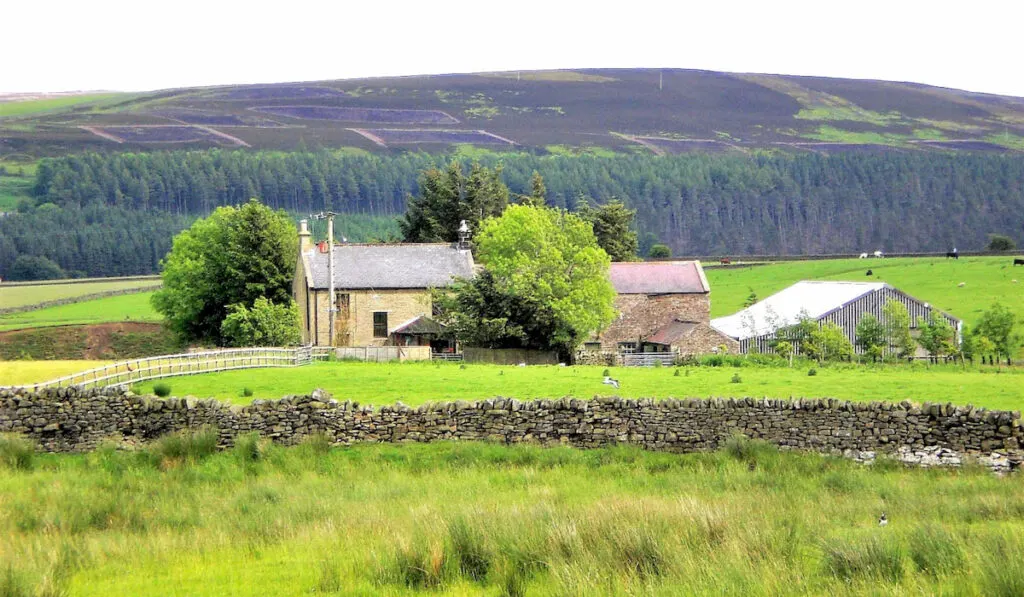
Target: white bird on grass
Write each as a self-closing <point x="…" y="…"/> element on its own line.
<point x="883" y="520"/>
<point x="608" y="381"/>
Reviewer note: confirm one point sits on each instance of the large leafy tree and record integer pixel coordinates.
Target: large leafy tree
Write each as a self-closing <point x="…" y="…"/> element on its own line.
<point x="613" y="227"/>
<point x="233" y="257"/>
<point x="937" y="336"/>
<point x="871" y="336"/>
<point x="265" y="324"/>
<point x="998" y="327"/>
<point x="449" y="196"/>
<point x="896" y="319"/>
<point x="550" y="260"/>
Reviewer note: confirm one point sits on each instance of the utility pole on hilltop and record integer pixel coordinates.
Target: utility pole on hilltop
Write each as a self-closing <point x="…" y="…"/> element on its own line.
<point x="332" y="307"/>
<point x="661" y="80"/>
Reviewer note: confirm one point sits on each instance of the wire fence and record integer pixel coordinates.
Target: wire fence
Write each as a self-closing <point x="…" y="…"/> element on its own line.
<point x="133" y="371"/>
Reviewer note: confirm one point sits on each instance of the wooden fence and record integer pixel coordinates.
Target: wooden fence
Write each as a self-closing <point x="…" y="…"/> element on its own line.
<point x="129" y="372"/>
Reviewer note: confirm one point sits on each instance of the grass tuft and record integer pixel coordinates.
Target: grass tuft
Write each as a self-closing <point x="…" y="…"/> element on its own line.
<point x="162" y="390"/>
<point x="873" y="558"/>
<point x="185" y="446"/>
<point x="16" y="452"/>
<point x="935" y="551"/>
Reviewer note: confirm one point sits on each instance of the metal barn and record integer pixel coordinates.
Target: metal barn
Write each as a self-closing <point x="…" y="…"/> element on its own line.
<point x="842" y="303"/>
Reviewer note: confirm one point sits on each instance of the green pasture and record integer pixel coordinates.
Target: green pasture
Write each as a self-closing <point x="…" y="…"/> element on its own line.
<point x="126" y="307"/>
<point x="482" y="519"/>
<point x="12" y="190"/>
<point x="417" y="383"/>
<point x="15" y="373"/>
<point x="986" y="280"/>
<point x="52" y="104"/>
<point x="23" y="296"/>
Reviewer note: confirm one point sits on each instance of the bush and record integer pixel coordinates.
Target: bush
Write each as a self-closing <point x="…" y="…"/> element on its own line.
<point x="162" y="390"/>
<point x="34" y="267"/>
<point x="265" y="324"/>
<point x="675" y="373"/>
<point x="606" y="373"/>
<point x="812" y="372"/>
<point x="247" y="392"/>
<point x="16" y="452"/>
<point x="736" y="378"/>
<point x="659" y="251"/>
<point x="1000" y="242"/>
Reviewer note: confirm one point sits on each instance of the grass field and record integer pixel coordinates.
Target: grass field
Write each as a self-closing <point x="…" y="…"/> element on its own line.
<point x="12" y="190"/>
<point x="127" y="307"/>
<point x="478" y="519"/>
<point x="13" y="373"/>
<point x="986" y="279"/>
<point x="416" y="383"/>
<point x="38" y="106"/>
<point x="22" y="296"/>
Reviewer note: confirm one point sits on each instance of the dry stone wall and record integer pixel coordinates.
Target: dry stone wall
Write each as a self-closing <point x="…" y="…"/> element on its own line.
<point x="68" y="419"/>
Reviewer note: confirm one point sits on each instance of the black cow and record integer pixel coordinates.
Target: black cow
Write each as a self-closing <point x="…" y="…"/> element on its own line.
<point x="1018" y="261"/>
<point x="953" y="254"/>
<point x="870" y="273"/>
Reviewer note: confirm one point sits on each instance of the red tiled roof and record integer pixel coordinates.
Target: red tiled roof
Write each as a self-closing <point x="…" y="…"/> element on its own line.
<point x="662" y="277"/>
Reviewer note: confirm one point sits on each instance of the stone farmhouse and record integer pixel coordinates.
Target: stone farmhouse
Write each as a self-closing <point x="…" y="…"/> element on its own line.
<point x="382" y="291"/>
<point x="842" y="303"/>
<point x="663" y="306"/>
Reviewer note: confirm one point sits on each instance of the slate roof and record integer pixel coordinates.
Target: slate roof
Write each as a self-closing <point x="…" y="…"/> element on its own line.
<point x="673" y="332"/>
<point x="785" y="307"/>
<point x="377" y="266"/>
<point x="659" y="277"/>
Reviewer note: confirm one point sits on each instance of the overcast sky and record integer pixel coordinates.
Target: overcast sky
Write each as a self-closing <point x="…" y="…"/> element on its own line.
<point x="137" y="45"/>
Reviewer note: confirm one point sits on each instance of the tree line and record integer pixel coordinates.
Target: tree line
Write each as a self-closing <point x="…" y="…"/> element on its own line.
<point x="696" y="204"/>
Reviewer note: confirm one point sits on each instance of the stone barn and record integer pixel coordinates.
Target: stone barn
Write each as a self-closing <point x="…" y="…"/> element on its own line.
<point x="842" y="303"/>
<point x="382" y="291"/>
<point x="663" y="306"/>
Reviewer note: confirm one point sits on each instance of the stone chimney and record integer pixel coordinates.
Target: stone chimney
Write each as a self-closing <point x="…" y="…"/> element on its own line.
<point x="305" y="238"/>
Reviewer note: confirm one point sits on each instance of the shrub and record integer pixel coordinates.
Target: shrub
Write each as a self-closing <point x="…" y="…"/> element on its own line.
<point x="812" y="372"/>
<point x="659" y="251"/>
<point x="712" y="360"/>
<point x="1000" y="242"/>
<point x="675" y="373"/>
<point x="657" y="364"/>
<point x="265" y="324"/>
<point x="188" y="445"/>
<point x="162" y="390"/>
<point x="16" y="452"/>
<point x="736" y="378"/>
<point x="606" y="373"/>
<point x="250" y="447"/>
<point x="247" y="392"/>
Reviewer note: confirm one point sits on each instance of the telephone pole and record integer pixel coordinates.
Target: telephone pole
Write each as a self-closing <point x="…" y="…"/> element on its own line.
<point x="332" y="307"/>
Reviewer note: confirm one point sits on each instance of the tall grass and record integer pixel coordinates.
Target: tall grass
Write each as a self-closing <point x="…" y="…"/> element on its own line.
<point x="454" y="518"/>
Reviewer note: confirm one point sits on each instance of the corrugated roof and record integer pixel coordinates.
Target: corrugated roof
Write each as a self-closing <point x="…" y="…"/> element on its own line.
<point x="390" y="266"/>
<point x="784" y="308"/>
<point x="673" y="332"/>
<point x="420" y="326"/>
<point x="661" y="277"/>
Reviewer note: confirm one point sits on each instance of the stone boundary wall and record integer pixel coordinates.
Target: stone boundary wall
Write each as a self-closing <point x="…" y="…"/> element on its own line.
<point x="68" y="419"/>
<point x="77" y="299"/>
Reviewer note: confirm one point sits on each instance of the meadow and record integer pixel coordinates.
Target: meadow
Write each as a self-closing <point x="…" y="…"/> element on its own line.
<point x="986" y="280"/>
<point x="126" y="307"/>
<point x="417" y="383"/>
<point x="10" y="109"/>
<point x="24" y="295"/>
<point x="483" y="519"/>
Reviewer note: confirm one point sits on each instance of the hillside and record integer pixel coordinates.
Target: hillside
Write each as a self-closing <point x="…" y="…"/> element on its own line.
<point x="647" y="111"/>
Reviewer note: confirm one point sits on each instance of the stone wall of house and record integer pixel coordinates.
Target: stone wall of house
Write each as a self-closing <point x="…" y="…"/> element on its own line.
<point x="704" y="340"/>
<point x="640" y="315"/>
<point x="354" y="327"/>
<point x="76" y="420"/>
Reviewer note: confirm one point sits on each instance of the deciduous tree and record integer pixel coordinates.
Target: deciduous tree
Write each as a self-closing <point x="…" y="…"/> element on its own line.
<point x="264" y="324"/>
<point x="233" y="257"/>
<point x="550" y="258"/>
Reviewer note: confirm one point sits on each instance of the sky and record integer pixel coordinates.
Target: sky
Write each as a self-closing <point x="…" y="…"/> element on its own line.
<point x="62" y="45"/>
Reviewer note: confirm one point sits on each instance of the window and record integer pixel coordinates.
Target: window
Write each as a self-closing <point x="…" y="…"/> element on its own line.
<point x="627" y="347"/>
<point x="342" y="306"/>
<point x="592" y="346"/>
<point x="380" y="324"/>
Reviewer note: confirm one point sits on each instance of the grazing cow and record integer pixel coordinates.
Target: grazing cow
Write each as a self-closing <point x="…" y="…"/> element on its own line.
<point x="879" y="254"/>
<point x="1018" y="261"/>
<point x="863" y="255"/>
<point x="724" y="261"/>
<point x="870" y="273"/>
<point x="954" y="254"/>
<point x="962" y="284"/>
